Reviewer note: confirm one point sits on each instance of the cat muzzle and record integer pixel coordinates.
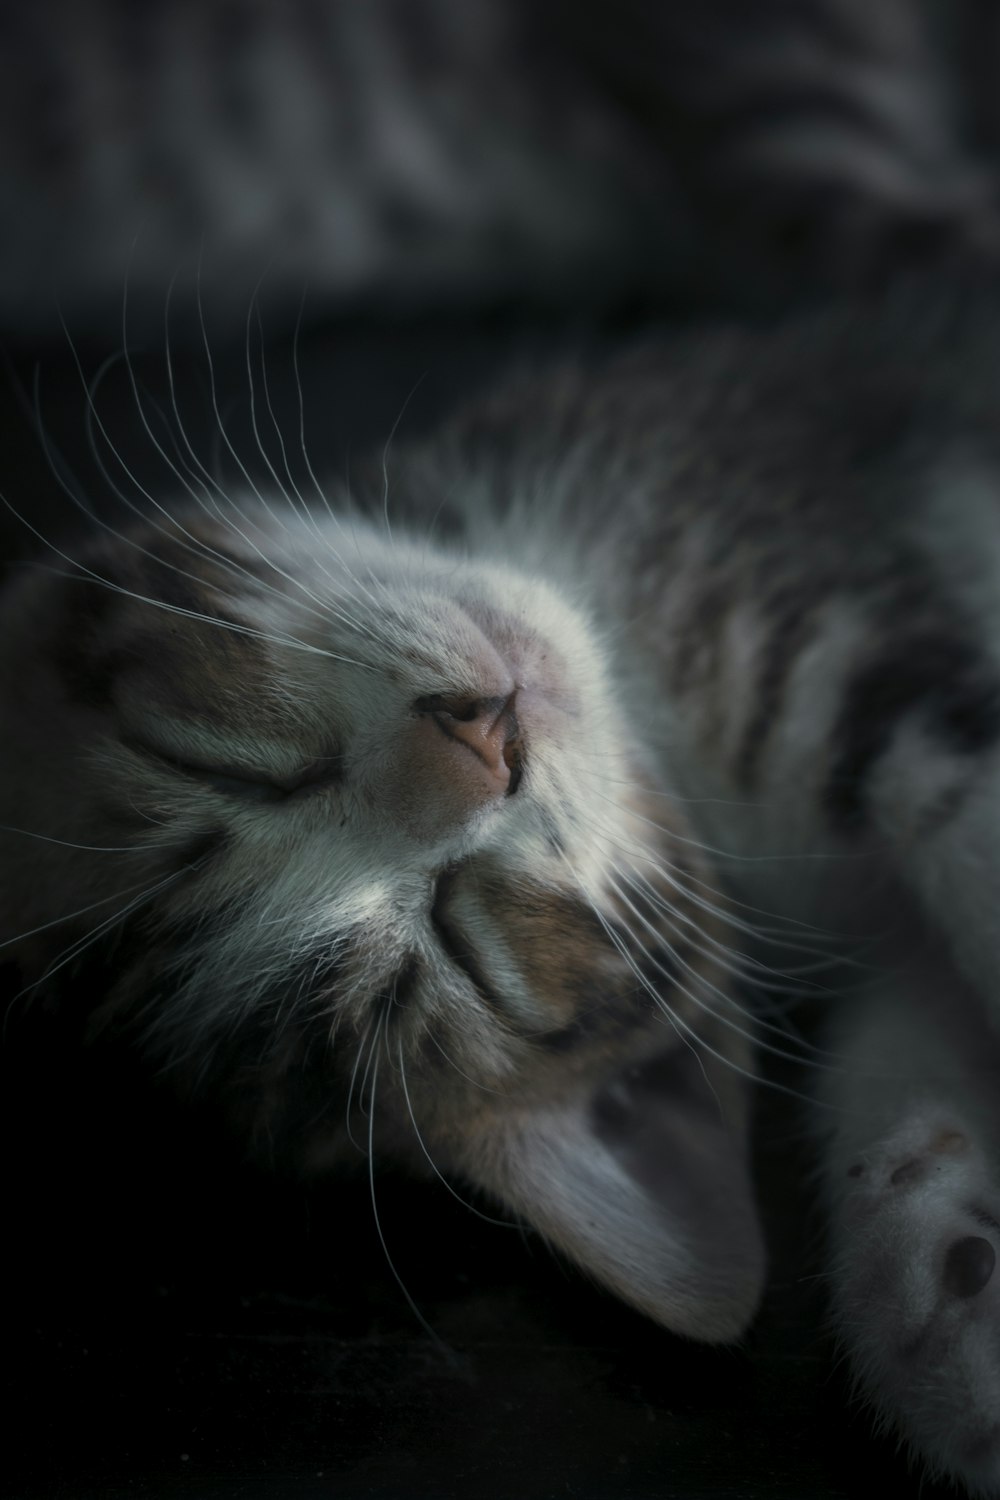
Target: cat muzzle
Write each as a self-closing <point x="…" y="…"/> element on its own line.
<point x="487" y="728"/>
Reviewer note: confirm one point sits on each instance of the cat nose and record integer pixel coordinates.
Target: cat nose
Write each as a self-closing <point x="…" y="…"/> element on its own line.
<point x="486" y="726"/>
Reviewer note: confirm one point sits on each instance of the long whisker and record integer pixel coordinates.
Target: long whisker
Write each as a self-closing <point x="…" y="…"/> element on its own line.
<point x="67" y="916"/>
<point x="289" y="488"/>
<point x="187" y="541"/>
<point x="213" y="396"/>
<point x="47" y="838"/>
<point x="760" y="978"/>
<point x="302" y="413"/>
<point x="703" y="980"/>
<point x="303" y="515"/>
<point x="388" y="444"/>
<point x="82" y="944"/>
<point x="476" y="1083"/>
<point x="372" y="1053"/>
<point x="56" y="465"/>
<point x="378" y="1224"/>
<point x="783" y="918"/>
<point x="198" y="475"/>
<point x="680" y="1025"/>
<point x="746" y="967"/>
<point x="193" y="544"/>
<point x="350" y="1087"/>
<point x="681" y="880"/>
<point x="487" y="1218"/>
<point x="823" y="957"/>
<point x="307" y="461"/>
<point x="80" y="570"/>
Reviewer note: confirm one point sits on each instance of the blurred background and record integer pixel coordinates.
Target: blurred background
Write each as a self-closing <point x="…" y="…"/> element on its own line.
<point x="352" y="213"/>
<point x="418" y="155"/>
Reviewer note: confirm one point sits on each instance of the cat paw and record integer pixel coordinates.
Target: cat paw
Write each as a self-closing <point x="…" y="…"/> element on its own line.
<point x="917" y="1295"/>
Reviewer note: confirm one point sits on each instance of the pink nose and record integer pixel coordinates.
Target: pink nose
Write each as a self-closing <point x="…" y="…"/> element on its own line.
<point x="486" y="726"/>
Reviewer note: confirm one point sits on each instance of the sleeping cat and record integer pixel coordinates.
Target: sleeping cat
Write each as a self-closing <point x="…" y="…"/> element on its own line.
<point x="409" y="812"/>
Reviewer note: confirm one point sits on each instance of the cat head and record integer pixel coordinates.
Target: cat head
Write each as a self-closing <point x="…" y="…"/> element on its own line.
<point x="361" y="832"/>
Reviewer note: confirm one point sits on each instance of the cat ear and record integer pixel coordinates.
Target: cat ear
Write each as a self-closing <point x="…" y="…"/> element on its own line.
<point x="645" y="1184"/>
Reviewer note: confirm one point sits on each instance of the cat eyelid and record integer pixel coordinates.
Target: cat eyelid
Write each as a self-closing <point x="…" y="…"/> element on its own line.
<point x="246" y="782"/>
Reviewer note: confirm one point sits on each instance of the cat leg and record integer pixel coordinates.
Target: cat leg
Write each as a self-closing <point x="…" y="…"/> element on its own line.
<point x="912" y="1186"/>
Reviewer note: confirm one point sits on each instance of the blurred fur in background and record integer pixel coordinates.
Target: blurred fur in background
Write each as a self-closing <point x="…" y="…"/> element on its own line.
<point x="413" y="155"/>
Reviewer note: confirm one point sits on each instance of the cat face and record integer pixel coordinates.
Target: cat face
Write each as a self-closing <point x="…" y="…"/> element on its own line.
<point x="365" y="824"/>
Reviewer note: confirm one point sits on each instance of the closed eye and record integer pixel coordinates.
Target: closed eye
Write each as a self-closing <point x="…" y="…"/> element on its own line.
<point x="250" y="784"/>
<point x="229" y="784"/>
<point x="458" y="949"/>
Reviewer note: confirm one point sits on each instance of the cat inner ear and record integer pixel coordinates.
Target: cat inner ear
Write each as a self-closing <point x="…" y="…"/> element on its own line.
<point x="645" y="1184"/>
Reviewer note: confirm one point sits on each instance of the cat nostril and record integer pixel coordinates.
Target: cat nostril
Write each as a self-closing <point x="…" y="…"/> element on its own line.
<point x="487" y="726"/>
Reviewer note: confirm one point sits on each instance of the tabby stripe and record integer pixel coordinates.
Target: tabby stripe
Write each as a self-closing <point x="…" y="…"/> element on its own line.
<point x="941" y="678"/>
<point x="791" y="618"/>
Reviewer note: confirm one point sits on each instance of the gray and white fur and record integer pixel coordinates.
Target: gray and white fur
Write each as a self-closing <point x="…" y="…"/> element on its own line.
<point x="421" y="804"/>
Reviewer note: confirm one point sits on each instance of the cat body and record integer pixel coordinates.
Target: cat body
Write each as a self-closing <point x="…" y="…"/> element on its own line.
<point x="407" y="814"/>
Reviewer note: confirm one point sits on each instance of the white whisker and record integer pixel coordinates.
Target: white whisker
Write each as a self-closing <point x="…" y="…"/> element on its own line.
<point x="701" y="979"/>
<point x="82" y="944"/>
<point x="47" y="838"/>
<point x="353" y="1080"/>
<point x="678" y="1022"/>
<point x="501" y="1223"/>
<point x="378" y="1225"/>
<point x="388" y="444"/>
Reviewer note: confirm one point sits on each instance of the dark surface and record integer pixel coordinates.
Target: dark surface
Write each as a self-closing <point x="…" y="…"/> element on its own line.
<point x="181" y="1325"/>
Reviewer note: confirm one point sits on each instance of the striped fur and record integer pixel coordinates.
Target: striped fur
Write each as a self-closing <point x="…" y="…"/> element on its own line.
<point x="442" y="153"/>
<point x="741" y="589"/>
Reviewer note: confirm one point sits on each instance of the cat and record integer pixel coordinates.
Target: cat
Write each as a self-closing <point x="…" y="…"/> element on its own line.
<point x="410" y="155"/>
<point x="443" y="817"/>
